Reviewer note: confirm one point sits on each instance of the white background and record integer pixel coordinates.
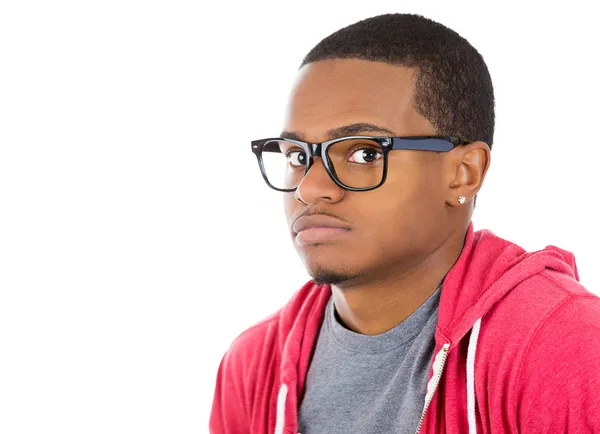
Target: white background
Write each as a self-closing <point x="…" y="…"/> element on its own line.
<point x="137" y="238"/>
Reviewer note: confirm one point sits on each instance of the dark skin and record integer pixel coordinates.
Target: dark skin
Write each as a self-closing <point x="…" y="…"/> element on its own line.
<point x="404" y="236"/>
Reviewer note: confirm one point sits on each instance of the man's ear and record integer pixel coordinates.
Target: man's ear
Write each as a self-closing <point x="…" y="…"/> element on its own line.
<point x="469" y="163"/>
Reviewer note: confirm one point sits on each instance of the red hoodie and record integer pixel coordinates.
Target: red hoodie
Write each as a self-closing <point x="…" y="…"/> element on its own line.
<point x="517" y="349"/>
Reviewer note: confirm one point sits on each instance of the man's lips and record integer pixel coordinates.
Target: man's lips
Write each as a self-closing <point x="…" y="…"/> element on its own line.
<point x="318" y="228"/>
<point x="318" y="221"/>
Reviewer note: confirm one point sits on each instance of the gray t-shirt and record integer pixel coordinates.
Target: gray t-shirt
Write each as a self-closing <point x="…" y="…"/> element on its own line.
<point x="369" y="384"/>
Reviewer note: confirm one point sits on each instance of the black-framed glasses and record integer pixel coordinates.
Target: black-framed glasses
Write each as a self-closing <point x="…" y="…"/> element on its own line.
<point x="356" y="163"/>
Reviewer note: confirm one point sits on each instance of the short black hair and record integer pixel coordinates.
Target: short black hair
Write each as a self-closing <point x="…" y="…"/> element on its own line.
<point x="453" y="88"/>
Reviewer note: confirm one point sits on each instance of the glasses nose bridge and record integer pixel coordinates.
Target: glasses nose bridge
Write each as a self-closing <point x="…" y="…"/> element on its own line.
<point x="318" y="150"/>
<point x="315" y="149"/>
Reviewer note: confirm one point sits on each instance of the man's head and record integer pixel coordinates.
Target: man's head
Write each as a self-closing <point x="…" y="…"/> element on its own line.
<point x="392" y="75"/>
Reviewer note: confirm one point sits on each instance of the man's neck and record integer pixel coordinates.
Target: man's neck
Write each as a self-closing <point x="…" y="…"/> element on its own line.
<point x="374" y="308"/>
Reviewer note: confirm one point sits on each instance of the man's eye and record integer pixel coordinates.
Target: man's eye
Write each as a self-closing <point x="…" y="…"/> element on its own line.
<point x="365" y="155"/>
<point x="296" y="158"/>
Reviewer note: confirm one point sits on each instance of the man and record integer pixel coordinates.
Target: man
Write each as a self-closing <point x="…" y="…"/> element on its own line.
<point x="413" y="321"/>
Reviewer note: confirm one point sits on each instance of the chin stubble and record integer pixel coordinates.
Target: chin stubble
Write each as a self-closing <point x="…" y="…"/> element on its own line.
<point x="330" y="277"/>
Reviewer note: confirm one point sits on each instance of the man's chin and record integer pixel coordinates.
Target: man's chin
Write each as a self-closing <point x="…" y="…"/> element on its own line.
<point x="323" y="276"/>
<point x="328" y="268"/>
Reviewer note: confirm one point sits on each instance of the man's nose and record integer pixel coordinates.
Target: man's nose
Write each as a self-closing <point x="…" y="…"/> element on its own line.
<point x="318" y="185"/>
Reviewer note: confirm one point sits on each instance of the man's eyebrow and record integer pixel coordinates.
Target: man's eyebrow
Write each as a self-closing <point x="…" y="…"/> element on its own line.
<point x="290" y="135"/>
<point x="346" y="130"/>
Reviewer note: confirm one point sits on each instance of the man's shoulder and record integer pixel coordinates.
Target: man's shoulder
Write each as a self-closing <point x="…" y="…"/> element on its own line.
<point x="561" y="292"/>
<point x="548" y="306"/>
<point x="573" y="310"/>
<point x="566" y="283"/>
<point x="559" y="372"/>
<point x="547" y="292"/>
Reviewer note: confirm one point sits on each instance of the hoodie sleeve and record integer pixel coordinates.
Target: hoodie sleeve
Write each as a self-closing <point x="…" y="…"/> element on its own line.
<point x="559" y="383"/>
<point x="228" y="414"/>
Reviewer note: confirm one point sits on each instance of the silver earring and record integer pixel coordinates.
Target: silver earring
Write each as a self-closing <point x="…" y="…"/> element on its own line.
<point x="461" y="199"/>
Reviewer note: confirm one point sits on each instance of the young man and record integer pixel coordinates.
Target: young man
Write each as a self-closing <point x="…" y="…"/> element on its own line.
<point x="413" y="321"/>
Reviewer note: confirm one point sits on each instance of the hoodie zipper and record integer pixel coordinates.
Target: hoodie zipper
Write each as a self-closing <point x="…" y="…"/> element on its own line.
<point x="438" y="369"/>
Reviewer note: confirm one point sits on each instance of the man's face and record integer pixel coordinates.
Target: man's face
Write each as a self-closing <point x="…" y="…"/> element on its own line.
<point x="400" y="223"/>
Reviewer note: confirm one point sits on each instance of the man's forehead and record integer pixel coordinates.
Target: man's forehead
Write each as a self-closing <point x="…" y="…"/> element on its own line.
<point x="333" y="92"/>
<point x="354" y="75"/>
<point x="343" y="97"/>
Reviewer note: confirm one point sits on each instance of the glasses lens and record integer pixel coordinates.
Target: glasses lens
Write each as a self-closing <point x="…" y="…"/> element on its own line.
<point x="284" y="163"/>
<point x="358" y="163"/>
